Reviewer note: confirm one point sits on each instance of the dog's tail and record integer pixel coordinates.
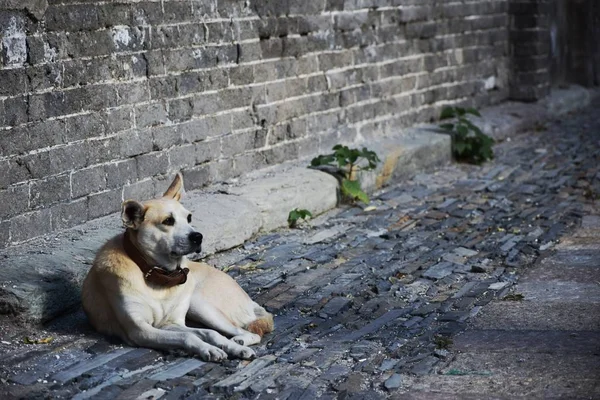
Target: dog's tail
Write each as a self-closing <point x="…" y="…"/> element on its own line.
<point x="263" y="323"/>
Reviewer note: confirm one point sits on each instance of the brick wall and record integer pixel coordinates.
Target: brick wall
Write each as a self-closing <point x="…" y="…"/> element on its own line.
<point x="99" y="101"/>
<point x="530" y="43"/>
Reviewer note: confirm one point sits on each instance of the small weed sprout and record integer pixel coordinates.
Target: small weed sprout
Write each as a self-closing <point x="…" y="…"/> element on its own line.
<point x="469" y="143"/>
<point x="297" y="214"/>
<point x="348" y="162"/>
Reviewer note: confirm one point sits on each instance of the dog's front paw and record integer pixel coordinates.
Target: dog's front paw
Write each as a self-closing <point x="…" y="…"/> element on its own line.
<point x="211" y="353"/>
<point x="247" y="354"/>
<point x="247" y="339"/>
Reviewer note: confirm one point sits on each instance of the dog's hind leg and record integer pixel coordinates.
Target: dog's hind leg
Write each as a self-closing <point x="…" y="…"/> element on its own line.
<point x="215" y="338"/>
<point x="145" y="335"/>
<point x="209" y="316"/>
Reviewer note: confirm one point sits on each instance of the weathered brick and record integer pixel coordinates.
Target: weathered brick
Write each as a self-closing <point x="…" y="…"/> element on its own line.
<point x="152" y="164"/>
<point x="241" y="119"/>
<point x="16" y="110"/>
<point x="69" y="214"/>
<point x="237" y="143"/>
<point x="85" y="126"/>
<point x="147" y="13"/>
<point x="88" y="180"/>
<point x="207" y="150"/>
<point x="74" y="17"/>
<point x="163" y="87"/>
<point x="279" y="154"/>
<point x="175" y="11"/>
<point x="104" y="203"/>
<point x="130" y="93"/>
<point x="120" y="173"/>
<point x="30" y="225"/>
<point x="141" y="190"/>
<point x="197" y="177"/>
<point x="4" y="233"/>
<point x="109" y="148"/>
<point x="155" y="62"/>
<point x="132" y="143"/>
<point x="248" y="51"/>
<point x="151" y="114"/>
<point x="36" y="53"/>
<point x="221" y="170"/>
<point x="248" y="162"/>
<point x="182" y="156"/>
<point x="13" y="201"/>
<point x="181" y="109"/>
<point x="164" y="137"/>
<point x="49" y="191"/>
<point x="118" y="119"/>
<point x="199" y="129"/>
<point x="57" y="160"/>
<point x="292" y="130"/>
<point x="179" y="36"/>
<point x="241" y="74"/>
<point x="14" y="81"/>
<point x="15" y="171"/>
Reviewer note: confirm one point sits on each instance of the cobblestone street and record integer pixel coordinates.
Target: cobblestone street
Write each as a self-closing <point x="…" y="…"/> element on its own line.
<point x="370" y="302"/>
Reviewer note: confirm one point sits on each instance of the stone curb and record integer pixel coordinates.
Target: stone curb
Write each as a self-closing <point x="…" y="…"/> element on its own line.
<point x="41" y="278"/>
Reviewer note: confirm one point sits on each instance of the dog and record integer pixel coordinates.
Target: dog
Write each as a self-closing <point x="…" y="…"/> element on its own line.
<point x="141" y="287"/>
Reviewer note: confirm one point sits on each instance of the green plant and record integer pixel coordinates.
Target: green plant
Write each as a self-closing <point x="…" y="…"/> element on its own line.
<point x="469" y="143"/>
<point x="348" y="162"/>
<point x="297" y="214"/>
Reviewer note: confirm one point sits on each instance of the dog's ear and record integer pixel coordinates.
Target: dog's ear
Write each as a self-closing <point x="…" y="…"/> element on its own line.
<point x="132" y="214"/>
<point x="174" y="191"/>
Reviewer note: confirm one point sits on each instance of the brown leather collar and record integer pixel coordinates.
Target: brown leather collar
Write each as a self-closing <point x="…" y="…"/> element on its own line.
<point x="153" y="274"/>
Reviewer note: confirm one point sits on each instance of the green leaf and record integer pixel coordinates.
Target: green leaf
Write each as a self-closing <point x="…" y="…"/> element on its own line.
<point x="297" y="214"/>
<point x="448" y="127"/>
<point x="322" y="160"/>
<point x="448" y="112"/>
<point x="459" y="147"/>
<point x="353" y="189"/>
<point x="462" y="130"/>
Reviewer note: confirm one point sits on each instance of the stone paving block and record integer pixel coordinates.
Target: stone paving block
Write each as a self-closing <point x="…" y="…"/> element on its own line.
<point x="231" y="383"/>
<point x="176" y="369"/>
<point x="336" y="305"/>
<point x="265" y="379"/>
<point x="371" y="327"/>
<point x="439" y="270"/>
<point x="84" y="366"/>
<point x="46" y="364"/>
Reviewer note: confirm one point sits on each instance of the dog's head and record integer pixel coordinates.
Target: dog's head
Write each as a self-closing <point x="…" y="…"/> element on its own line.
<point x="162" y="226"/>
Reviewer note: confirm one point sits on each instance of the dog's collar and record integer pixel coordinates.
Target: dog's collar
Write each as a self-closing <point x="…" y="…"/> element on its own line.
<point x="154" y="274"/>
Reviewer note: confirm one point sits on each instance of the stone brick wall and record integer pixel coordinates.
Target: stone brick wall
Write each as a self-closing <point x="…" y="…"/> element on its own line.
<point x="99" y="101"/>
<point x="530" y="46"/>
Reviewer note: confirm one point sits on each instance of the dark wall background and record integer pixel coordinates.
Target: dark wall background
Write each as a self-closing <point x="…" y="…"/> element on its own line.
<point x="100" y="101"/>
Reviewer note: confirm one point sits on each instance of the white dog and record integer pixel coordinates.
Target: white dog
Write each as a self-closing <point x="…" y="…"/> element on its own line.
<point x="142" y="287"/>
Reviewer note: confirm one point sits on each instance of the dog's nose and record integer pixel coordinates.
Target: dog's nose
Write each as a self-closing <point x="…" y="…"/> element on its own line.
<point x="195" y="237"/>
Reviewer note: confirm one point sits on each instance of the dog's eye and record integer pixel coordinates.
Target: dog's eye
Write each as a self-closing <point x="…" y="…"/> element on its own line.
<point x="170" y="221"/>
<point x="189" y="218"/>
